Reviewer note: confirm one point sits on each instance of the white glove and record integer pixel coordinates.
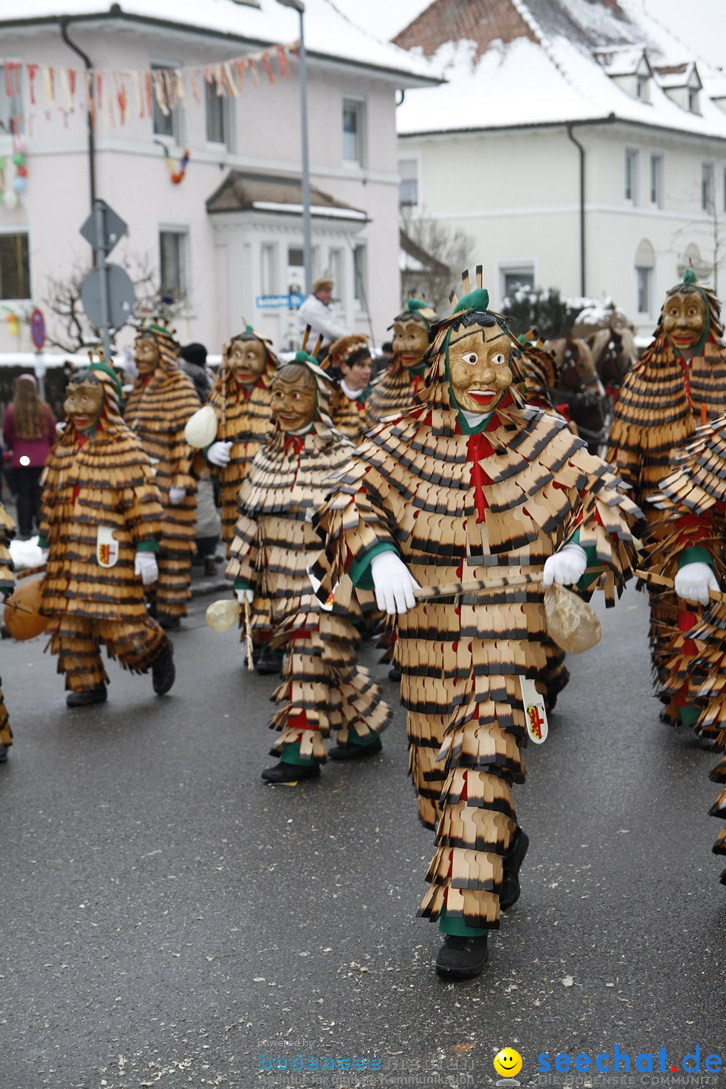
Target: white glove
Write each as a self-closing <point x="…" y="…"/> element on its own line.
<point x="43" y="555"/>
<point x="693" y="582"/>
<point x="145" y="565"/>
<point x="176" y="496"/>
<point x="245" y="596"/>
<point x="219" y="454"/>
<point x="394" y="584"/>
<point x="566" y="567"/>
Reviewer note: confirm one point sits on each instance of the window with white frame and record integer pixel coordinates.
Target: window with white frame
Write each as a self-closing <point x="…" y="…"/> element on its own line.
<point x="14" y="266"/>
<point x="174" y="263"/>
<point x="360" y="274"/>
<point x="219" y="118"/>
<point x="707" y="194"/>
<point x="656" y="180"/>
<point x="632" y="160"/>
<point x="167" y="121"/>
<point x="408" y="185"/>
<point x="694" y="101"/>
<point x="354" y="131"/>
<point x="644" y="272"/>
<point x="268" y="269"/>
<point x="642" y="87"/>
<point x="514" y="277"/>
<point x="11" y="100"/>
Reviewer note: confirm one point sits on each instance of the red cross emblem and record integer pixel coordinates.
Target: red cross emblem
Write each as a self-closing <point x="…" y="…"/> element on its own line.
<point x="536" y="722"/>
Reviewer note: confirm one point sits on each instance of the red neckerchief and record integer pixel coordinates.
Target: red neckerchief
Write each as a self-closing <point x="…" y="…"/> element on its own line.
<point x="294" y="443"/>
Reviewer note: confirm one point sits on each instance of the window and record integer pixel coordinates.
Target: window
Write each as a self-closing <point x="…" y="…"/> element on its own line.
<point x="173" y="263"/>
<point x="218" y="111"/>
<point x="642" y="88"/>
<point x="353" y="131"/>
<point x="631" y="175"/>
<point x="707" y="202"/>
<point x="656" y="180"/>
<point x="165" y="124"/>
<point x="693" y="100"/>
<point x="515" y="277"/>
<point x="268" y="280"/>
<point x="11" y="99"/>
<point x="644" y="269"/>
<point x="360" y="274"/>
<point x="14" y="266"/>
<point x="408" y="185"/>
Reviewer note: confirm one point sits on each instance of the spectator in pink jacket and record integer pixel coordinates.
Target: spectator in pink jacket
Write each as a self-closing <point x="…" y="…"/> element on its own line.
<point x="28" y="431"/>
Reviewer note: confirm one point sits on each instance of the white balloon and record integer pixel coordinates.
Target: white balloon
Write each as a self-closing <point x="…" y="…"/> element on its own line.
<point x="10" y="199"/>
<point x="222" y="615"/>
<point x="201" y="428"/>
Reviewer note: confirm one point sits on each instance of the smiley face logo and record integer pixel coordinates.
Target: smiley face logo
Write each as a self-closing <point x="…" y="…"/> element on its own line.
<point x="508" y="1062"/>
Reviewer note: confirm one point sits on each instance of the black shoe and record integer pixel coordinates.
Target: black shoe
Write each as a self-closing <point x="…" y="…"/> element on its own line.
<point x="290" y="773"/>
<point x="355" y="752"/>
<point x="512" y="863"/>
<point x="4" y="753"/>
<point x="163" y="673"/>
<point x="462" y="958"/>
<point x="394" y="673"/>
<point x="169" y="623"/>
<point x="210" y="566"/>
<point x="268" y="662"/>
<point x="87" y="696"/>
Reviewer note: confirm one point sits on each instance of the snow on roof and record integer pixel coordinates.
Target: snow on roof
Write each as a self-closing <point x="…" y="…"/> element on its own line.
<point x="328" y="32"/>
<point x="547" y="72"/>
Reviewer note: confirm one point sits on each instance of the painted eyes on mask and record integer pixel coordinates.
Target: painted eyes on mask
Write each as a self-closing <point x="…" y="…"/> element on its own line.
<point x="472" y="358"/>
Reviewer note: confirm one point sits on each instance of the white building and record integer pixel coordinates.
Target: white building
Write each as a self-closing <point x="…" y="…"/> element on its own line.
<point x="231" y="230"/>
<point x="577" y="141"/>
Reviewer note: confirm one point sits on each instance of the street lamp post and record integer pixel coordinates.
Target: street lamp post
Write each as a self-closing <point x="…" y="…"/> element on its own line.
<point x="299" y="7"/>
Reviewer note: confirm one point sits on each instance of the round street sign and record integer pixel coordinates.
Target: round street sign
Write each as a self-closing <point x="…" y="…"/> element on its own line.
<point x="121" y="296"/>
<point x="37" y="328"/>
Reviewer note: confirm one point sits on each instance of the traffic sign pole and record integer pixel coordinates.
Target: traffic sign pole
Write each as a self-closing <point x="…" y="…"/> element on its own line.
<point x="100" y="259"/>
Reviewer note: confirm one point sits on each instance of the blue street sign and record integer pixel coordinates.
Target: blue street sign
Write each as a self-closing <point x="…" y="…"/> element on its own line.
<point x="291" y="301"/>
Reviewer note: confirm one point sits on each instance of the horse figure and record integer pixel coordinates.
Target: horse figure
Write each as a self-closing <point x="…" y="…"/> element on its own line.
<point x="614" y="351"/>
<point x="580" y="388"/>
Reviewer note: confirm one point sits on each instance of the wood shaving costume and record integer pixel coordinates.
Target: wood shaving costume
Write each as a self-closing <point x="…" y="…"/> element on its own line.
<point x="241" y="401"/>
<point x="101" y="524"/>
<point x="397" y="387"/>
<point x="7" y="579"/>
<point x="323" y="688"/>
<point x="688" y="548"/>
<point x="679" y="382"/>
<point x="161" y="402"/>
<point x="472" y="484"/>
<point x="350" y="356"/>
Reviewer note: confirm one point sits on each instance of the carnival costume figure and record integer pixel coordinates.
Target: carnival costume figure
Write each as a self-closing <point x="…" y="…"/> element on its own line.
<point x="161" y="402"/>
<point x="323" y="689"/>
<point x="687" y="549"/>
<point x="101" y="524"/>
<point x="7" y="579"/>
<point x="471" y="484"/>
<point x="351" y="358"/>
<point x="396" y="388"/>
<point x="241" y="402"/>
<point x="679" y="382"/>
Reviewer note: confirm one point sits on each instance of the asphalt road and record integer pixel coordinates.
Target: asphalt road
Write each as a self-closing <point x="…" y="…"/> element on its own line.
<point x="168" y="919"/>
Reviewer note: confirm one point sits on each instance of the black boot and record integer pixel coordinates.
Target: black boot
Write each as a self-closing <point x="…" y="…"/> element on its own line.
<point x="512" y="863"/>
<point x="87" y="696"/>
<point x="210" y="566"/>
<point x="269" y="661"/>
<point x="290" y="773"/>
<point x="163" y="673"/>
<point x="355" y="752"/>
<point x="169" y="623"/>
<point x="3" y="753"/>
<point x="462" y="958"/>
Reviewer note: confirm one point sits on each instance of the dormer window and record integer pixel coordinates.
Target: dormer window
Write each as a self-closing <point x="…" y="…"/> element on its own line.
<point x="694" y="104"/>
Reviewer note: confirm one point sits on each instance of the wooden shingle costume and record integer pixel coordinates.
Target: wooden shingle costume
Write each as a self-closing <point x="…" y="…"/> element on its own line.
<point x="101" y="525"/>
<point x="679" y="383"/>
<point x="7" y="532"/>
<point x="241" y="402"/>
<point x="396" y="388"/>
<point x="350" y="356"/>
<point x="161" y="402"/>
<point x="323" y="689"/>
<point x="688" y="549"/>
<point x="472" y="484"/>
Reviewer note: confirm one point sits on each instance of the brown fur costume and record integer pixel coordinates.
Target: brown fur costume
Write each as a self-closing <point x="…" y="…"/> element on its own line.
<point x="157" y="409"/>
<point x="460" y="505"/>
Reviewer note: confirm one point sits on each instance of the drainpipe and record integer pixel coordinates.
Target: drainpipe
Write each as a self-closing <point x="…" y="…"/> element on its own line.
<point x="63" y="22"/>
<point x="581" y="149"/>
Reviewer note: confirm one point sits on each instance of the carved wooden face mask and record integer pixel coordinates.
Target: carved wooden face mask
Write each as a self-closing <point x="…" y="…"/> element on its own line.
<point x="410" y="341"/>
<point x="146" y="355"/>
<point x="479" y="369"/>
<point x="247" y="360"/>
<point x="684" y="319"/>
<point x="83" y="404"/>
<point x="294" y="401"/>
